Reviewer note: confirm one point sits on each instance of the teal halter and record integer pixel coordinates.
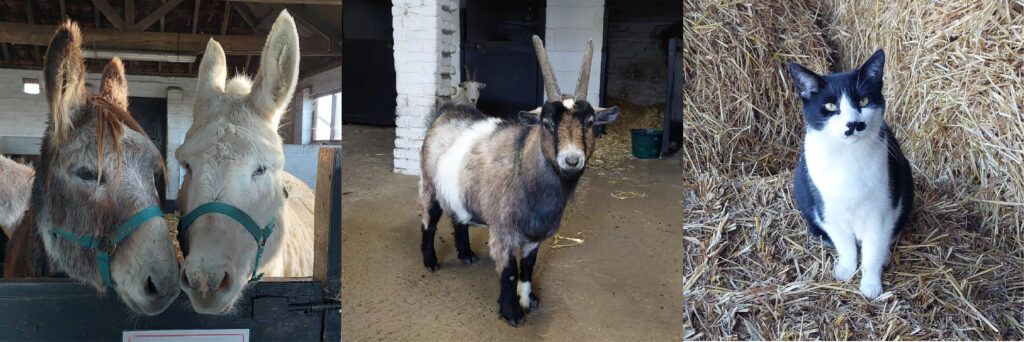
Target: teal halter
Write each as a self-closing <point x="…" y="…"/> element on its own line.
<point x="260" y="234"/>
<point x="105" y="246"/>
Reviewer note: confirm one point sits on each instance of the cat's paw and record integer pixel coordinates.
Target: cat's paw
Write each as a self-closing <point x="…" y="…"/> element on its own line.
<point x="844" y="272"/>
<point x="870" y="290"/>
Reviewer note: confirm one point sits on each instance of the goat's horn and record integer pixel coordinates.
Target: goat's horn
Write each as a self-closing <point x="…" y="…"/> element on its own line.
<point x="584" y="81"/>
<point x="469" y="77"/>
<point x="550" y="85"/>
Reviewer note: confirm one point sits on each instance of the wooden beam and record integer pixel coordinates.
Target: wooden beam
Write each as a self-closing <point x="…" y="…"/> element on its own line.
<point x="304" y="14"/>
<point x="108" y="11"/>
<point x="247" y="15"/>
<point x="195" y="17"/>
<point x="37" y="55"/>
<point x="293" y="2"/>
<point x="19" y="33"/>
<point x="327" y="221"/>
<point x="227" y="18"/>
<point x="156" y="15"/>
<point x="129" y="13"/>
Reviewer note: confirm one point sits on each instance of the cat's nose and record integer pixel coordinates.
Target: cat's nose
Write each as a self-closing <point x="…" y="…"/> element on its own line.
<point x="855" y="126"/>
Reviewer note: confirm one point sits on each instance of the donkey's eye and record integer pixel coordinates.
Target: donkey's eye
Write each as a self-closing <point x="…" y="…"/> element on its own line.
<point x="864" y="102"/>
<point x="259" y="171"/>
<point x="831" y="107"/>
<point x="85" y="174"/>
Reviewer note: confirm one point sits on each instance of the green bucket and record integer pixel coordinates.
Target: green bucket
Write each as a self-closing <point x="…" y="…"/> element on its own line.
<point x="646" y="142"/>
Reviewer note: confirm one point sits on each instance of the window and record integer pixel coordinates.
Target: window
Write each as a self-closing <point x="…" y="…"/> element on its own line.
<point x="327" y="118"/>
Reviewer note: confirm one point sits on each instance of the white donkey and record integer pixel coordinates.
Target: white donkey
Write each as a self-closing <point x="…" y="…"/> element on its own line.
<point x="15" y="187"/>
<point x="244" y="216"/>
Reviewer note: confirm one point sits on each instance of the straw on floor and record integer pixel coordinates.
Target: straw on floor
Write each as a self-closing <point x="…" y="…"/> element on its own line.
<point x="955" y="98"/>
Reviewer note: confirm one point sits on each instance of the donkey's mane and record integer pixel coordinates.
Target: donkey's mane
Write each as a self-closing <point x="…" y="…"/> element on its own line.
<point x="109" y="118"/>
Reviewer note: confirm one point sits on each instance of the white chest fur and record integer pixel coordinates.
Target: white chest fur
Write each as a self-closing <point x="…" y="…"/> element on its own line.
<point x="853" y="181"/>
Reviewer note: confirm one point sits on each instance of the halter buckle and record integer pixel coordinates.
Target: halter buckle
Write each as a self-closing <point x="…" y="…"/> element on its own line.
<point x="106" y="245"/>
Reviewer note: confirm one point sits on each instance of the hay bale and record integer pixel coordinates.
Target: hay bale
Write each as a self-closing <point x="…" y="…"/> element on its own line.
<point x="740" y="114"/>
<point x="955" y="95"/>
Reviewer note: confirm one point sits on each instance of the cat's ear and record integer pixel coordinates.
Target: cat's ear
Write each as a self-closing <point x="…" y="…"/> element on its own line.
<point x="807" y="82"/>
<point x="871" y="71"/>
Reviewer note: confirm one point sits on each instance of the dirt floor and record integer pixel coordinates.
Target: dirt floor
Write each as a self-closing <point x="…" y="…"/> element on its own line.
<point x="622" y="283"/>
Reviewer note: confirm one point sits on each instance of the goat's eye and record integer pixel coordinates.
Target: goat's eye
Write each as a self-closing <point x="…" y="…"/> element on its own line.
<point x="831" y="107"/>
<point x="259" y="171"/>
<point x="85" y="174"/>
<point x="590" y="122"/>
<point x="549" y="125"/>
<point x="864" y="102"/>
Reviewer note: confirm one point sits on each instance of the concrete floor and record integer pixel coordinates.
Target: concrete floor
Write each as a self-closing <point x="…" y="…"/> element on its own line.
<point x="622" y="283"/>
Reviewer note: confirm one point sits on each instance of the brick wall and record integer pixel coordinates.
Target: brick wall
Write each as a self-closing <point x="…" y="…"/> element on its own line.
<point x="425" y="45"/>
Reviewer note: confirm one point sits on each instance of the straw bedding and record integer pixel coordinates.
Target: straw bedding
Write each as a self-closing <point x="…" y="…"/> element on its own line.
<point x="615" y="148"/>
<point x="955" y="98"/>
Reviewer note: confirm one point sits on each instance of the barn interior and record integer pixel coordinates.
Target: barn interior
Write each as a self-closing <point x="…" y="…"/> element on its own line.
<point x="624" y="214"/>
<point x="162" y="43"/>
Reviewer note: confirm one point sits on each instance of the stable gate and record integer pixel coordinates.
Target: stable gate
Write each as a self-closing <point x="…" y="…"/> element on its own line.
<point x="294" y="309"/>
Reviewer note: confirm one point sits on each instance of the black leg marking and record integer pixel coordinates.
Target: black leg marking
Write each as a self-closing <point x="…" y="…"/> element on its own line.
<point x="526" y="275"/>
<point x="508" y="301"/>
<point x="427" y="245"/>
<point x="462" y="244"/>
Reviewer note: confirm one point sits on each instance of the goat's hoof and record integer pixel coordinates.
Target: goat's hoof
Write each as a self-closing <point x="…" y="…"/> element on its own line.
<point x="431" y="264"/>
<point x="533" y="304"/>
<point x="512" y="314"/>
<point x="468" y="258"/>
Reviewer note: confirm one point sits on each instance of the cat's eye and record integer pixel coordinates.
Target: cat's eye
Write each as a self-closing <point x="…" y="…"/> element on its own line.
<point x="831" y="107"/>
<point x="863" y="102"/>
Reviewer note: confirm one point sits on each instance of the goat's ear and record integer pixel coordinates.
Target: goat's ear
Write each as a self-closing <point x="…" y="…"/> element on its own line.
<point x="605" y="115"/>
<point x="113" y="86"/>
<point x="530" y="118"/>
<point x="274" y="85"/>
<point x="64" y="77"/>
<point x="483" y="85"/>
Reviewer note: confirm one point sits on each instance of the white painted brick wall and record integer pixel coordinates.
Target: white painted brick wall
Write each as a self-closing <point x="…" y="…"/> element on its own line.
<point x="25" y="115"/>
<point x="301" y="161"/>
<point x="569" y="24"/>
<point x="426" y="44"/>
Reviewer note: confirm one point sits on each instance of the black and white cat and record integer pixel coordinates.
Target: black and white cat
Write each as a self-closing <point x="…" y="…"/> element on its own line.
<point x="852" y="184"/>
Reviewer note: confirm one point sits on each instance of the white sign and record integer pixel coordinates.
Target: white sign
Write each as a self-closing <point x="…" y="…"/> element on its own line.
<point x="217" y="335"/>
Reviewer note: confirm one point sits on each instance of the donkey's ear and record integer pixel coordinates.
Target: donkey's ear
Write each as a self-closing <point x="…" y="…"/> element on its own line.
<point x="213" y="71"/>
<point x="279" y="70"/>
<point x="113" y="86"/>
<point x="64" y="77"/>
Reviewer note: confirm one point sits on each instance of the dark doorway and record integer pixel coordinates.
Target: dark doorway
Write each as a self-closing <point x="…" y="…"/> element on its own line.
<point x="368" y="90"/>
<point x="497" y="46"/>
<point x="151" y="113"/>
